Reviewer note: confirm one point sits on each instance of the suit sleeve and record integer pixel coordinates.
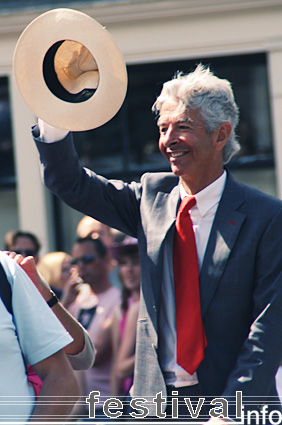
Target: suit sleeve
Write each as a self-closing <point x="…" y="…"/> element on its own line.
<point x="113" y="202"/>
<point x="261" y="353"/>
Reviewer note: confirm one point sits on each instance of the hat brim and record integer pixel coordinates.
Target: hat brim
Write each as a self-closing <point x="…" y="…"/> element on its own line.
<point x="36" y="40"/>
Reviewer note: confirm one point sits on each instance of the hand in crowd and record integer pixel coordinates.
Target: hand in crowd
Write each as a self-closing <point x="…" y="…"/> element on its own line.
<point x="29" y="266"/>
<point x="71" y="289"/>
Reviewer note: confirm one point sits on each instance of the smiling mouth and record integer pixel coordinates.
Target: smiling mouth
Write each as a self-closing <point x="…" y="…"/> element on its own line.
<point x="177" y="154"/>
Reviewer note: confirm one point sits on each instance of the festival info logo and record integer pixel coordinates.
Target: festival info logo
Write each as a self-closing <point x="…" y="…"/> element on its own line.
<point x="219" y="407"/>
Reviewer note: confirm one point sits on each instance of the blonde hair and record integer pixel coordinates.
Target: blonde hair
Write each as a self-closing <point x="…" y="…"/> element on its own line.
<point x="50" y="266"/>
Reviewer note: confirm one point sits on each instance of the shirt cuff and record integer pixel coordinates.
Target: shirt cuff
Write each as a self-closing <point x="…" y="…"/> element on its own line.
<point x="85" y="359"/>
<point x="50" y="134"/>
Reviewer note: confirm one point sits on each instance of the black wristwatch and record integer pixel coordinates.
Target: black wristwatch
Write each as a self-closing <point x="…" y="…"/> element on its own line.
<point x="53" y="300"/>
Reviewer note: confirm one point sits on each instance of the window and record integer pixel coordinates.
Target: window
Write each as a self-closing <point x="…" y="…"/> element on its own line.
<point x="7" y="171"/>
<point x="127" y="146"/>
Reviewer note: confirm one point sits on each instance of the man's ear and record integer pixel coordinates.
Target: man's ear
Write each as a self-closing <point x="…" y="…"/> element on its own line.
<point x="223" y="133"/>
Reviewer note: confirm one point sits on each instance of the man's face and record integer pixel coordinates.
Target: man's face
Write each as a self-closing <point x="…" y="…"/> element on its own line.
<point x="193" y="154"/>
<point x="90" y="266"/>
<point x="25" y="246"/>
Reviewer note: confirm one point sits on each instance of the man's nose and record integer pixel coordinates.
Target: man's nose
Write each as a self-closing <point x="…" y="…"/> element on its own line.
<point x="80" y="266"/>
<point x="170" y="137"/>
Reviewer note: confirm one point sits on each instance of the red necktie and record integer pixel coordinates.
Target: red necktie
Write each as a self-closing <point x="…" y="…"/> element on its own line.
<point x="191" y="338"/>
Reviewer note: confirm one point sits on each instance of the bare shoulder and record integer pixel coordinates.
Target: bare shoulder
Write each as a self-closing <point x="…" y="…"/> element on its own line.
<point x="133" y="310"/>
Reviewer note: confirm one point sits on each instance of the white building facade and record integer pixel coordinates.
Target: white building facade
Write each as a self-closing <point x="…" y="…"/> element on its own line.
<point x="151" y="35"/>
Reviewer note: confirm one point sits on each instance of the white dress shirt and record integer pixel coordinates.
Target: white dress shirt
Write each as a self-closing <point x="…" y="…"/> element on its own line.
<point x="202" y="215"/>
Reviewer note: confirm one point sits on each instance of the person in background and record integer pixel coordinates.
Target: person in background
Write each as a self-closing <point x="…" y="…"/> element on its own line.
<point x="81" y="352"/>
<point x="31" y="333"/>
<point x="125" y="316"/>
<point x="8" y="239"/>
<point x="88" y="226"/>
<point x="24" y="243"/>
<point x="55" y="267"/>
<point x="92" y="304"/>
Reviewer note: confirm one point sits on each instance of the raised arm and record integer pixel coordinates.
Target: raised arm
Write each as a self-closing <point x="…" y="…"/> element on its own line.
<point x="112" y="202"/>
<point x="81" y="352"/>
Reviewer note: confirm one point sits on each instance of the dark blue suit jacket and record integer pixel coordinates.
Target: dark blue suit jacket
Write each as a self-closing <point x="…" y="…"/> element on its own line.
<point x="240" y="281"/>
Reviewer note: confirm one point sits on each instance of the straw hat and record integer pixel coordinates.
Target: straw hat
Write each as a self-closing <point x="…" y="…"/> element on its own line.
<point x="69" y="70"/>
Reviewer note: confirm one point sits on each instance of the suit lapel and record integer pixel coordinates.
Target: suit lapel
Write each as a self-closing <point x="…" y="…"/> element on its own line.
<point x="225" y="230"/>
<point x="163" y="217"/>
<point x="158" y="230"/>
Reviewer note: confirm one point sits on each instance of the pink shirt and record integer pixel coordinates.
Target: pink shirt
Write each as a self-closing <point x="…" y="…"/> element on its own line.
<point x="98" y="377"/>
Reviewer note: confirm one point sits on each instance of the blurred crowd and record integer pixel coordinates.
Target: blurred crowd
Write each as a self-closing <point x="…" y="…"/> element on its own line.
<point x="98" y="283"/>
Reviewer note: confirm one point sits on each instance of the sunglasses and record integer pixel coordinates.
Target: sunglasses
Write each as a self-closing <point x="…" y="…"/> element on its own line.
<point x="86" y="259"/>
<point x="27" y="252"/>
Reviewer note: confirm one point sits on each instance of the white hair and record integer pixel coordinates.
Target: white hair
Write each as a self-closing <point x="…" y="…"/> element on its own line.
<point x="211" y="96"/>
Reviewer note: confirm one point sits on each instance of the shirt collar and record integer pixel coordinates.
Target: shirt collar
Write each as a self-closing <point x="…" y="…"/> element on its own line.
<point x="209" y="196"/>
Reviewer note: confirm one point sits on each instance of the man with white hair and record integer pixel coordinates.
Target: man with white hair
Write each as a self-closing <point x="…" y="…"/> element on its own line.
<point x="234" y="277"/>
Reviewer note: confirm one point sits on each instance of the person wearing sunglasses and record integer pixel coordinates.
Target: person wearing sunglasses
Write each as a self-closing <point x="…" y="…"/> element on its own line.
<point x="88" y="226"/>
<point x="23" y="243"/>
<point x="93" y="304"/>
